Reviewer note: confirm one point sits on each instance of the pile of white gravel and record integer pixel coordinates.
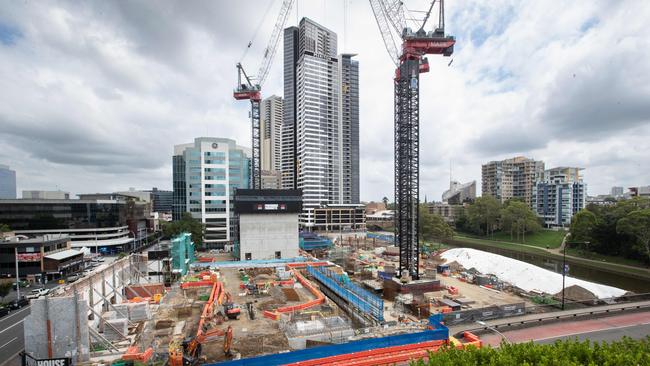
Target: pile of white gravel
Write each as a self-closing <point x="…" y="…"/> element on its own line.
<point x="521" y="274"/>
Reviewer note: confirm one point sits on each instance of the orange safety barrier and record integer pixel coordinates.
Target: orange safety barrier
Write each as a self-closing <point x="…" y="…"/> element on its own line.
<point x="376" y="356"/>
<point x="472" y="340"/>
<point x="204" y="259"/>
<point x="185" y="285"/>
<point x="320" y="298"/>
<point x="305" y="264"/>
<point x="134" y="354"/>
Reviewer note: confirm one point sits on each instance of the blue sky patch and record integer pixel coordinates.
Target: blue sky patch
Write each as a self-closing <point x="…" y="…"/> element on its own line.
<point x="9" y="34"/>
<point x="590" y="23"/>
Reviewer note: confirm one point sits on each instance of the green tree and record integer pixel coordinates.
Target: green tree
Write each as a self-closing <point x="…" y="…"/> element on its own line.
<point x="4" y="228"/>
<point x="637" y="225"/>
<point x="518" y="218"/>
<point x="385" y="201"/>
<point x="582" y="225"/>
<point x="483" y="215"/>
<point x="431" y="226"/>
<point x="5" y="288"/>
<point x="186" y="224"/>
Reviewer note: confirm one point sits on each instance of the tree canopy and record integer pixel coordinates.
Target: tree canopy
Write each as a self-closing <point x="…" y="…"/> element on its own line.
<point x="517" y="218"/>
<point x="186" y="224"/>
<point x="433" y="227"/>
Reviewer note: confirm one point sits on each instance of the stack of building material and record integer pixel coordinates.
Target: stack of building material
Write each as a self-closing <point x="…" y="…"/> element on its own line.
<point x="121" y="310"/>
<point x="139" y="311"/>
<point x="108" y="315"/>
<point x="116" y="329"/>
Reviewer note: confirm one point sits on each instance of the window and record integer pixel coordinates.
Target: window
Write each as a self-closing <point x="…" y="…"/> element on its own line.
<point x="248" y="256"/>
<point x="278" y="255"/>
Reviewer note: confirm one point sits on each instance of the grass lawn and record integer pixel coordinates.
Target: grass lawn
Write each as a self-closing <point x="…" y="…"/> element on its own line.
<point x="604" y="258"/>
<point x="542" y="238"/>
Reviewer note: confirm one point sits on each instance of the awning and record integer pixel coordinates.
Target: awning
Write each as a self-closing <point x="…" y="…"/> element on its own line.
<point x="63" y="254"/>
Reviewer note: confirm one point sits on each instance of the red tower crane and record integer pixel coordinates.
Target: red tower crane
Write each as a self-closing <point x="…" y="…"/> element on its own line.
<point x="410" y="60"/>
<point x="251" y="88"/>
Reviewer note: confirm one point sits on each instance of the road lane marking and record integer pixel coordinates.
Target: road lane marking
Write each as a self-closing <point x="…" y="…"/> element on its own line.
<point x="11" y="326"/>
<point x="16" y="313"/>
<point x="12" y="339"/>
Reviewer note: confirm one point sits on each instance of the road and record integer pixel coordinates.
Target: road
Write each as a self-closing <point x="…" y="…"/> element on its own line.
<point x="12" y="334"/>
<point x="612" y="328"/>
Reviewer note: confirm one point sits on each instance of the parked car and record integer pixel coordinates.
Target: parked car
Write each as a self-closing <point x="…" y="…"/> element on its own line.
<point x="22" y="284"/>
<point x="36" y="293"/>
<point x="73" y="278"/>
<point x="4" y="311"/>
<point x="17" y="304"/>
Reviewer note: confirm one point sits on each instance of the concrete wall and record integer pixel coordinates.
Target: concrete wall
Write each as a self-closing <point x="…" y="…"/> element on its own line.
<point x="264" y="234"/>
<point x="68" y="333"/>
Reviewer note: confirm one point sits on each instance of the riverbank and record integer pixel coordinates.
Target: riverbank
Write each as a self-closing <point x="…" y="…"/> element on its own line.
<point x="619" y="269"/>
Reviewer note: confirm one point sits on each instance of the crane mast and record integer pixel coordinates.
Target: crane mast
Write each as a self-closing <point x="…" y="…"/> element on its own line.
<point x="251" y="89"/>
<point x="410" y="61"/>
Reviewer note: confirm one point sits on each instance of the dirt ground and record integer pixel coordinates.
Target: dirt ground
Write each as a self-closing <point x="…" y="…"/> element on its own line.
<point x="483" y="297"/>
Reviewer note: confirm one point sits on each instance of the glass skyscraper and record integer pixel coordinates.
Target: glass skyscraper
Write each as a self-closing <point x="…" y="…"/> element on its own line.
<point x="7" y="183"/>
<point x="205" y="176"/>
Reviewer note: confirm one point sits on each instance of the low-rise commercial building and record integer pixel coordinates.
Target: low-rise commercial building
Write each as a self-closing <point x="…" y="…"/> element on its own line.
<point x="448" y="212"/>
<point x="46" y="195"/>
<point x="268" y="223"/>
<point x="338" y="218"/>
<point x="40" y="259"/>
<point x="106" y="225"/>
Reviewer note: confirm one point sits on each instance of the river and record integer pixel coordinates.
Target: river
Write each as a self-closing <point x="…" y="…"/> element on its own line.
<point x="576" y="270"/>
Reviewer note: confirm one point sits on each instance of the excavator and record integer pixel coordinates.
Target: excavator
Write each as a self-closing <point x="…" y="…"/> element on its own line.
<point x="188" y="352"/>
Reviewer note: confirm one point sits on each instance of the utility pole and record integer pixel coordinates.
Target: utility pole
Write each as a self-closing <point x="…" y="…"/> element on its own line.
<point x="564" y="271"/>
<point x="17" y="274"/>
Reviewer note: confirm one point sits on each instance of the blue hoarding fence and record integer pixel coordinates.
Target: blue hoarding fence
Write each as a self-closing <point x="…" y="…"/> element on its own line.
<point x="385" y="237"/>
<point x="438" y="332"/>
<point x="356" y="296"/>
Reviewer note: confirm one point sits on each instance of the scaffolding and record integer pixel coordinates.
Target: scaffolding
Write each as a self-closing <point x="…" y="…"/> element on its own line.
<point x="182" y="252"/>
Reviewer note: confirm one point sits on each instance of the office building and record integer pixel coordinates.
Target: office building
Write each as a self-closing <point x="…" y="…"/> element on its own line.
<point x="46" y="195"/>
<point x="206" y="174"/>
<point x="7" y="183"/>
<point x="161" y="200"/>
<point x="320" y="127"/>
<point x="268" y="223"/>
<point x="617" y="192"/>
<point x="559" y="195"/>
<point x="511" y="178"/>
<point x="643" y="191"/>
<point x="271" y="130"/>
<point x="459" y="193"/>
<point x="339" y="218"/>
<point x="108" y="225"/>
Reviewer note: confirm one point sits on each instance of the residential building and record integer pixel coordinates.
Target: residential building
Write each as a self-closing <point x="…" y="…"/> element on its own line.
<point x="511" y="178"/>
<point x="7" y="182"/>
<point x="643" y="191"/>
<point x="349" y="117"/>
<point x="268" y="223"/>
<point x="46" y="195"/>
<point x="339" y="218"/>
<point x="39" y="259"/>
<point x="206" y="174"/>
<point x="559" y="195"/>
<point x="108" y="225"/>
<point x="271" y="130"/>
<point x="617" y="192"/>
<point x="458" y="193"/>
<point x="448" y="211"/>
<point x="320" y="143"/>
<point x="380" y="219"/>
<point x="271" y="179"/>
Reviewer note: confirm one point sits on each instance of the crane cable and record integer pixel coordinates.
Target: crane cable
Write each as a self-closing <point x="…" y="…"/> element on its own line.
<point x="257" y="30"/>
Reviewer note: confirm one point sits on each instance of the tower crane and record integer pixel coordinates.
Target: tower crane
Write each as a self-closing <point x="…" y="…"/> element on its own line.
<point x="410" y="60"/>
<point x="251" y="87"/>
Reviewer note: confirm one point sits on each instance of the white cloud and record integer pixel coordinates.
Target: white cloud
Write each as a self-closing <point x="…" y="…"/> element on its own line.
<point x="95" y="94"/>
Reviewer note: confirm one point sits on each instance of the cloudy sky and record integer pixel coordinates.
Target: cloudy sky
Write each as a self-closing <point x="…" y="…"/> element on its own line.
<point x="94" y="94"/>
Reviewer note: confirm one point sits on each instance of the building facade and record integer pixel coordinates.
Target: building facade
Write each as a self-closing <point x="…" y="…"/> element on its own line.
<point x="46" y="195"/>
<point x="320" y="127"/>
<point x="617" y="192"/>
<point x="559" y="195"/>
<point x="268" y="223"/>
<point x="511" y="178"/>
<point x="459" y="193"/>
<point x="339" y="218"/>
<point x="271" y="130"/>
<point x="449" y="212"/>
<point x="271" y="179"/>
<point x="212" y="169"/>
<point x="103" y="225"/>
<point x="7" y="182"/>
<point x="162" y="201"/>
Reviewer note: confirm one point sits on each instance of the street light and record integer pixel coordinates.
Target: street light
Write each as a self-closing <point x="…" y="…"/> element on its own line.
<point x="487" y="326"/>
<point x="565" y="267"/>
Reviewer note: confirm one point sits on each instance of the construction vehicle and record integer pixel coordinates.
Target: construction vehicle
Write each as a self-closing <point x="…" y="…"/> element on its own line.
<point x="188" y="352"/>
<point x="410" y="62"/>
<point x="231" y="309"/>
<point x="250" y="88"/>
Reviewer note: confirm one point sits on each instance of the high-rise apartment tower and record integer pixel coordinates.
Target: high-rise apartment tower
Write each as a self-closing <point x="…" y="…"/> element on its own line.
<point x="511" y="178"/>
